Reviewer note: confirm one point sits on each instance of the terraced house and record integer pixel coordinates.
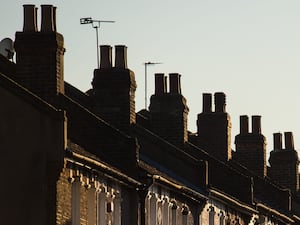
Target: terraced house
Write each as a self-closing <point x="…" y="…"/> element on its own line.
<point x="75" y="158"/>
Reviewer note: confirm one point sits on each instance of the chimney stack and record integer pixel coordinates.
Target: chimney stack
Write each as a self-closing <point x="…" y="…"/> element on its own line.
<point x="251" y="147"/>
<point x="106" y="57"/>
<point x="30" y="18"/>
<point x="48" y="19"/>
<point x="114" y="89"/>
<point x="214" y="128"/>
<point x="160" y="84"/>
<point x="169" y="110"/>
<point x="284" y="163"/>
<point x="39" y="54"/>
<point x="121" y="56"/>
<point x="207" y="102"/>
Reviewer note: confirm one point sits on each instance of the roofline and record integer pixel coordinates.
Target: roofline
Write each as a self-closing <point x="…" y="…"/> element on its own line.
<point x="90" y="163"/>
<point x="25" y="94"/>
<point x="277" y="213"/>
<point x="180" y="187"/>
<point x="219" y="196"/>
<point x="93" y="115"/>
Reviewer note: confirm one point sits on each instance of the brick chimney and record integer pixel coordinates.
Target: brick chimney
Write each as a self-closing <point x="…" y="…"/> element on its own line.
<point x="114" y="88"/>
<point x="214" y="128"/>
<point x="169" y="110"/>
<point x="284" y="163"/>
<point x="251" y="146"/>
<point x="39" y="54"/>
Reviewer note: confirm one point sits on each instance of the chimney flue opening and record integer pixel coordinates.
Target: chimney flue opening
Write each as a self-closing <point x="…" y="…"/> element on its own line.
<point x="160" y="83"/>
<point x="121" y="56"/>
<point x="220" y="102"/>
<point x="30" y="18"/>
<point x="256" y="124"/>
<point x="277" y="138"/>
<point x="175" y="86"/>
<point x="244" y="124"/>
<point x="289" y="140"/>
<point x="207" y="102"/>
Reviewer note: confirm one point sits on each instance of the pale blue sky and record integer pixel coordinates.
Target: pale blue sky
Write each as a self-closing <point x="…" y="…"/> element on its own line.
<point x="248" y="49"/>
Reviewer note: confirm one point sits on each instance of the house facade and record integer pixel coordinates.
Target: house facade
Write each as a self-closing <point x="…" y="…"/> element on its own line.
<point x="88" y="158"/>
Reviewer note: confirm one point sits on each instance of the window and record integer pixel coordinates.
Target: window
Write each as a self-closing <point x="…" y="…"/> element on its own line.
<point x="91" y="195"/>
<point x="117" y="208"/>
<point x="211" y="215"/>
<point x="101" y="207"/>
<point x="222" y="218"/>
<point x="76" y="200"/>
<point x="153" y="208"/>
<point x="165" y="211"/>
<point x="185" y="212"/>
<point x="174" y="213"/>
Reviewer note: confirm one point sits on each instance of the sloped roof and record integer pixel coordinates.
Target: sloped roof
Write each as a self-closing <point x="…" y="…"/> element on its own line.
<point x="29" y="97"/>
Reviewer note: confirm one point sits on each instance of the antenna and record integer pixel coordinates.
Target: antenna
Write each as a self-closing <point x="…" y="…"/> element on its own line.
<point x="96" y="25"/>
<point x="146" y="65"/>
<point x="7" y="48"/>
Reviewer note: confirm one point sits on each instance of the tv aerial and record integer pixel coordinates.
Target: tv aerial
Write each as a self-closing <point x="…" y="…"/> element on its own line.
<point x="96" y="25"/>
<point x="146" y="64"/>
<point x="7" y="48"/>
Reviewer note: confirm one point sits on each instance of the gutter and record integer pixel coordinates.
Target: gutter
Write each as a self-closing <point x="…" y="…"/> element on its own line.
<point x="103" y="166"/>
<point x="296" y="217"/>
<point x="218" y="196"/>
<point x="275" y="212"/>
<point x="179" y="187"/>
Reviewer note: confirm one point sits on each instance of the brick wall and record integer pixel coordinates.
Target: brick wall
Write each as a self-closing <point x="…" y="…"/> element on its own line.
<point x="64" y="198"/>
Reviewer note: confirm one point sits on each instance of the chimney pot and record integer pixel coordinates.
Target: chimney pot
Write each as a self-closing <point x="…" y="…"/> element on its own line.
<point x="244" y="124"/>
<point x="47" y="19"/>
<point x="289" y="140"/>
<point x="160" y="83"/>
<point x="121" y="56"/>
<point x="277" y="137"/>
<point x="256" y="124"/>
<point x="30" y="18"/>
<point x="106" y="56"/>
<point x="220" y="102"/>
<point x="175" y="86"/>
<point x="207" y="102"/>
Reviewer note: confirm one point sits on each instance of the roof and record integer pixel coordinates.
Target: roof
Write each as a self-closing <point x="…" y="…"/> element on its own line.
<point x="30" y="98"/>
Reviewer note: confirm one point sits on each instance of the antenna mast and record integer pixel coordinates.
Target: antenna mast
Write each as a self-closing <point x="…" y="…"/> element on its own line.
<point x="96" y="25"/>
<point x="146" y="65"/>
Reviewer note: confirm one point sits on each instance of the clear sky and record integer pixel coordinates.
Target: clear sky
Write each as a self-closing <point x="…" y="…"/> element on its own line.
<point x="248" y="49"/>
